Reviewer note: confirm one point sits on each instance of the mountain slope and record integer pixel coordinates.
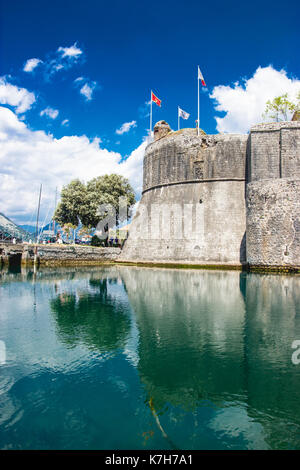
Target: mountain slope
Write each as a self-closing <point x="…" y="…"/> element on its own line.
<point x="9" y="229"/>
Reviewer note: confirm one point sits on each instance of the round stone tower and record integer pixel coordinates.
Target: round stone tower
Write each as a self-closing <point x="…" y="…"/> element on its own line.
<point x="273" y="195"/>
<point x="192" y="209"/>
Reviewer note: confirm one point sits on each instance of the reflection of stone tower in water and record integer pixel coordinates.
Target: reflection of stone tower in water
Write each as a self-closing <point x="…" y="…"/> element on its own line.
<point x="220" y="336"/>
<point x="190" y="339"/>
<point x="193" y="206"/>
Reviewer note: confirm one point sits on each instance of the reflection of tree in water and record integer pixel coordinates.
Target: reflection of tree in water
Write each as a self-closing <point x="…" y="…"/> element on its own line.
<point x="92" y="318"/>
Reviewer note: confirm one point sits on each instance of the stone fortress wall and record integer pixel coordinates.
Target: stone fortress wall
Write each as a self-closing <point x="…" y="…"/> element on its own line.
<point x="273" y="195"/>
<point x="235" y="183"/>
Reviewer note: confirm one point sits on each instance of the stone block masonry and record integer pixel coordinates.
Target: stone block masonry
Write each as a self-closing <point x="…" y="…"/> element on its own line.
<point x="273" y="223"/>
<point x="187" y="176"/>
<point x="56" y="255"/>
<point x="275" y="151"/>
<point x="273" y="196"/>
<point x="213" y="174"/>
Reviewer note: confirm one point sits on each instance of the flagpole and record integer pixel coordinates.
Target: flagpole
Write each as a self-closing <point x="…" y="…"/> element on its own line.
<point x="151" y="115"/>
<point x="178" y="118"/>
<point x="198" y="104"/>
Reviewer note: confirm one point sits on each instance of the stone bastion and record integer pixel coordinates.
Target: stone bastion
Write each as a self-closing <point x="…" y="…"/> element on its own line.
<point x="192" y="209"/>
<point x="224" y="200"/>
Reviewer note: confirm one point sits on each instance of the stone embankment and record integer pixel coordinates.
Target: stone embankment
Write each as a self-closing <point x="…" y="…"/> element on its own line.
<point x="56" y="255"/>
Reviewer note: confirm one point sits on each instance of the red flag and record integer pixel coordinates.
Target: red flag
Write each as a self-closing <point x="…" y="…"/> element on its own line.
<point x="155" y="99"/>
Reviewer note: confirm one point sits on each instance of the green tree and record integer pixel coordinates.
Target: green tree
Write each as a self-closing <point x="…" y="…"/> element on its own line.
<point x="80" y="202"/>
<point x="96" y="241"/>
<point x="85" y="231"/>
<point x="72" y="204"/>
<point x="106" y="190"/>
<point x="279" y="108"/>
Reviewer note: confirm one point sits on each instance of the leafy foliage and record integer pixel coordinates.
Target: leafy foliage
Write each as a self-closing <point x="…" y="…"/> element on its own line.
<point x="280" y="107"/>
<point x="95" y="241"/>
<point x="72" y="204"/>
<point x="80" y="202"/>
<point x="108" y="189"/>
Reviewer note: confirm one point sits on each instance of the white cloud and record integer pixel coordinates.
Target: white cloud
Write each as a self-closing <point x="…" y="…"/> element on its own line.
<point x="65" y="122"/>
<point x="24" y="164"/>
<point x="244" y="103"/>
<point x="20" y="98"/>
<point x="72" y="51"/>
<point x="87" y="89"/>
<point x="50" y="112"/>
<point x="126" y="127"/>
<point x="31" y="64"/>
<point x="62" y="59"/>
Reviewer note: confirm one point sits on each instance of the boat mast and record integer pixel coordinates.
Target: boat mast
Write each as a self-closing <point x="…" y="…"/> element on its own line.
<point x="37" y="217"/>
<point x="53" y="226"/>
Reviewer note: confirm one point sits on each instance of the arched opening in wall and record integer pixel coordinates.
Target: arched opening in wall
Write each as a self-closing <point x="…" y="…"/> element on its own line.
<point x="14" y="262"/>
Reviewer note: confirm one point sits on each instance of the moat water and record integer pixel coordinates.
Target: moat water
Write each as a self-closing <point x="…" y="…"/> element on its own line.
<point x="144" y="358"/>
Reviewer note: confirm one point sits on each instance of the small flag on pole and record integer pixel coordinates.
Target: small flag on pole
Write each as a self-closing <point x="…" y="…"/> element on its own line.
<point x="183" y="114"/>
<point x="200" y="77"/>
<point x="155" y="99"/>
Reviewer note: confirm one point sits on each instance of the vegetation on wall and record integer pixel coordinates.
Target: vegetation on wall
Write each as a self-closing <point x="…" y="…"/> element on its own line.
<point x="280" y="108"/>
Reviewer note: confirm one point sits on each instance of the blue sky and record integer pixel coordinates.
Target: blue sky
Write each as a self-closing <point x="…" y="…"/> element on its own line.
<point x="248" y="52"/>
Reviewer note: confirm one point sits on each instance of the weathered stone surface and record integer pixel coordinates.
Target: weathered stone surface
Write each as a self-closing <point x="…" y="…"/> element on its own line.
<point x="58" y="254"/>
<point x="206" y="172"/>
<point x="183" y="156"/>
<point x="161" y="129"/>
<point x="222" y="220"/>
<point x="79" y="254"/>
<point x="275" y="151"/>
<point x="273" y="222"/>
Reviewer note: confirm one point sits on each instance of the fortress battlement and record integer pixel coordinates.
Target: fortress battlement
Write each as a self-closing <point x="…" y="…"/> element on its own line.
<point x="182" y="157"/>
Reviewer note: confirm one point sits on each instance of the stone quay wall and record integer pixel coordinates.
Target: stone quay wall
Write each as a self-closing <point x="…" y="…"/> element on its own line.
<point x="56" y="255"/>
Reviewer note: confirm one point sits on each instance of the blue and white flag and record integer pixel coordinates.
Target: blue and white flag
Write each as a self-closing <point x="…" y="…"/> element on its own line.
<point x="183" y="114"/>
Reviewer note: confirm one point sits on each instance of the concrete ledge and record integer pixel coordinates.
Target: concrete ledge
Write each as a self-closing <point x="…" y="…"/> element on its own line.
<point x="185" y="265"/>
<point x="275" y="126"/>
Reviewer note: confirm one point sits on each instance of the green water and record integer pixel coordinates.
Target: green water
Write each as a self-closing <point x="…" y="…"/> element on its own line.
<point x="139" y="358"/>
